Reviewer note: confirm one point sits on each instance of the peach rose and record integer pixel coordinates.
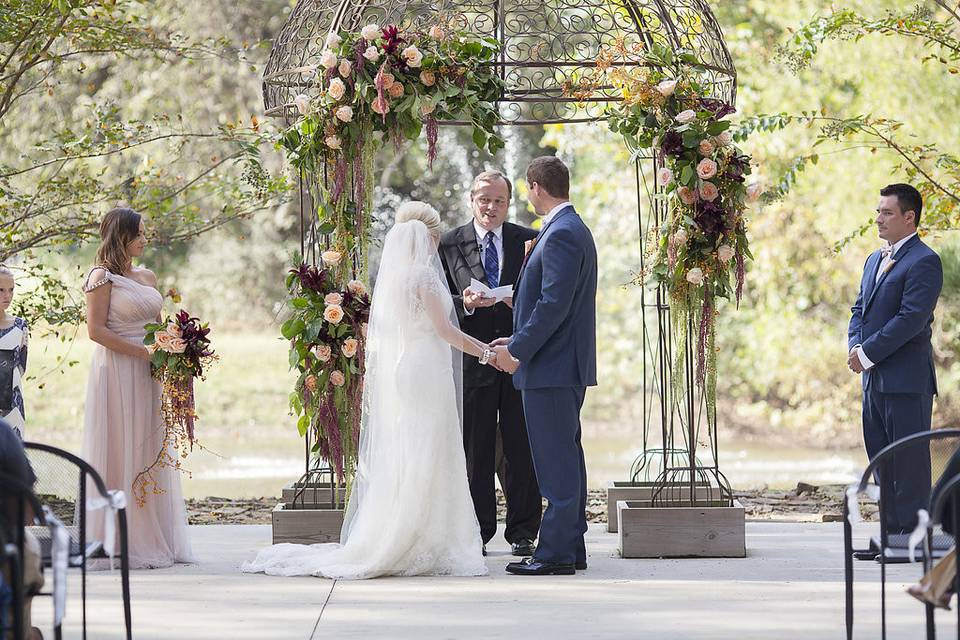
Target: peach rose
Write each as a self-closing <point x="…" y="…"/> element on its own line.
<point x="333" y="298"/>
<point x="687" y="195"/>
<point x="162" y="339"/>
<point x="350" y="346"/>
<point x="695" y="276"/>
<point x="709" y="191"/>
<point x="395" y="90"/>
<point x="174" y="330"/>
<point x="337" y="379"/>
<point x="725" y="253"/>
<point x="706" y="169"/>
<point x="333" y="314"/>
<point x="328" y="59"/>
<point x="152" y="348"/>
<point x="344" y="114"/>
<point x="332" y="141"/>
<point x="436" y="32"/>
<point x="344" y="68"/>
<point x="706" y="147"/>
<point x="178" y="345"/>
<point x="323" y="352"/>
<point x="371" y="54"/>
<point x="387" y="79"/>
<point x="310" y="382"/>
<point x="356" y="287"/>
<point x="686" y="116"/>
<point x="664" y="176"/>
<point x="337" y="90"/>
<point x="380" y="106"/>
<point x="428" y="78"/>
<point x="331" y="258"/>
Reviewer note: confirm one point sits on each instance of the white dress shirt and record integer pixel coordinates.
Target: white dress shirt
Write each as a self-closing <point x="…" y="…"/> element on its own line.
<point x="553" y="212"/>
<point x="866" y="362"/>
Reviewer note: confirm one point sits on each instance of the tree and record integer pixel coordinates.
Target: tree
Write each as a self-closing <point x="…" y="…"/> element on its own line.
<point x="71" y="150"/>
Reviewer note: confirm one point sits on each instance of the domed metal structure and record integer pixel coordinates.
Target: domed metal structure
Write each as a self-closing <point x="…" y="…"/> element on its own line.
<point x="545" y="44"/>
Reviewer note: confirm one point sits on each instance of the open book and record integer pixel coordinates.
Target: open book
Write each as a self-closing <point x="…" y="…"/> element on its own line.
<point x="499" y="293"/>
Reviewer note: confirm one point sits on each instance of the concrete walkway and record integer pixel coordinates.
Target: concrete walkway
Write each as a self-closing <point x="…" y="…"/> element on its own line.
<point x="789" y="586"/>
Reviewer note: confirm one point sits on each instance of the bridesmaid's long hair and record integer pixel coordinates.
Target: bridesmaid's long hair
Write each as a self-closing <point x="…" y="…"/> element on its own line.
<point x="118" y="229"/>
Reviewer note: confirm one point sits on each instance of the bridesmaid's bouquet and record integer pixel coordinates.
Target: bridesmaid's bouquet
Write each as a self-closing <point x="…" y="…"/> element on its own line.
<point x="180" y="352"/>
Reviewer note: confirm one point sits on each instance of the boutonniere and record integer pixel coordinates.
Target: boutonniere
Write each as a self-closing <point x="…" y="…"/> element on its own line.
<point x="889" y="266"/>
<point x="528" y="247"/>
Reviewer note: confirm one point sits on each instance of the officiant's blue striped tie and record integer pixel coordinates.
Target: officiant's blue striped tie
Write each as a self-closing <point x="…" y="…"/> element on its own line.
<point x="491" y="261"/>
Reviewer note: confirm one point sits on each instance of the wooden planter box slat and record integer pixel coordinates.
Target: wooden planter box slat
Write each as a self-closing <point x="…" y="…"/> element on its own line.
<point x="316" y="494"/>
<point x="710" y="531"/>
<point x="306" y="526"/>
<point x="643" y="492"/>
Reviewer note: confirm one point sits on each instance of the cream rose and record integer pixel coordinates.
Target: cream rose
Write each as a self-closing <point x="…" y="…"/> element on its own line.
<point x="709" y="191"/>
<point x="344" y="68"/>
<point x="428" y="78"/>
<point x="706" y="148"/>
<point x="725" y="253"/>
<point x="687" y="195"/>
<point x="328" y="59"/>
<point x="333" y="314"/>
<point x="344" y="114"/>
<point x="356" y="288"/>
<point x="337" y="90"/>
<point x="371" y="54"/>
<point x="395" y="90"/>
<point x="333" y="298"/>
<point x="686" y="116"/>
<point x="370" y="32"/>
<point x="302" y="103"/>
<point x="413" y="56"/>
<point x="333" y="41"/>
<point x="695" y="276"/>
<point x="667" y="87"/>
<point x="349" y="347"/>
<point x="337" y="379"/>
<point x="706" y="169"/>
<point x="323" y="352"/>
<point x="331" y="258"/>
<point x="178" y="345"/>
<point x="332" y="141"/>
<point x="664" y="176"/>
<point x="162" y="339"/>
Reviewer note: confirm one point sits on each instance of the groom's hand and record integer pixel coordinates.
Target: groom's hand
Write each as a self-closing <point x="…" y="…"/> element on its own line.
<point x="499" y="342"/>
<point x="505" y="361"/>
<point x="476" y="300"/>
<point x="853" y="361"/>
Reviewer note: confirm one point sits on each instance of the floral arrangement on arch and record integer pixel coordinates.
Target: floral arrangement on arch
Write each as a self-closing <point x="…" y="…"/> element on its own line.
<point x="327" y="333"/>
<point x="180" y="353"/>
<point x="699" y="252"/>
<point x="385" y="82"/>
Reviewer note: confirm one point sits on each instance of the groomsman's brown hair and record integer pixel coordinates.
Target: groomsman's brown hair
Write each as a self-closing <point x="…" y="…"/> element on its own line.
<point x="551" y="174"/>
<point x="908" y="198"/>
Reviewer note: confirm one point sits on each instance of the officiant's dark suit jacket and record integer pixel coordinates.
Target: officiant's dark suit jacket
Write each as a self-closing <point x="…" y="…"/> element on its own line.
<point x="490" y="402"/>
<point x="892" y="321"/>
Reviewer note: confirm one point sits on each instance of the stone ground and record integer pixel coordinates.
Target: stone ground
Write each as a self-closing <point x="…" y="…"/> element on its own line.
<point x="805" y="503"/>
<point x="790" y="586"/>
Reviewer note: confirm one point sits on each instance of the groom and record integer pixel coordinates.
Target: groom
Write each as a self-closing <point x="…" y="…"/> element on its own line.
<point x="552" y="355"/>
<point x="889" y="344"/>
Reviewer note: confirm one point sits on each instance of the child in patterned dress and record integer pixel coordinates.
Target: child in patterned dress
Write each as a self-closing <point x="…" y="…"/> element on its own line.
<point x="13" y="356"/>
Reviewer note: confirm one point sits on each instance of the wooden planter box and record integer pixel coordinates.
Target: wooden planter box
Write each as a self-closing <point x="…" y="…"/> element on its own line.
<point x="306" y="526"/>
<point x="643" y="492"/>
<point x="316" y="494"/>
<point x="707" y="531"/>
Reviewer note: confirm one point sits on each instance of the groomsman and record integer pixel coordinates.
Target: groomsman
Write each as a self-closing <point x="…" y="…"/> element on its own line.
<point x="491" y="250"/>
<point x="889" y="344"/>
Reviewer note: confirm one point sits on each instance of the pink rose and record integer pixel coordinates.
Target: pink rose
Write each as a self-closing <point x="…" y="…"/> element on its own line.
<point x="436" y="32"/>
<point x="371" y="54"/>
<point x="323" y="352"/>
<point x="344" y="68"/>
<point x="687" y="195"/>
<point x="725" y="252"/>
<point x="350" y="346"/>
<point x="333" y="298"/>
<point x="695" y="276"/>
<point x="395" y="90"/>
<point x="706" y="147"/>
<point x="174" y="330"/>
<point x="664" y="176"/>
<point x="356" y="287"/>
<point x="337" y="379"/>
<point x="706" y="169"/>
<point x="686" y="116"/>
<point x="426" y="108"/>
<point x="344" y="114"/>
<point x="709" y="191"/>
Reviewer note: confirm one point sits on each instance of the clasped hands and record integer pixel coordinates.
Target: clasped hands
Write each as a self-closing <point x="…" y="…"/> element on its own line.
<point x="501" y="359"/>
<point x="853" y="361"/>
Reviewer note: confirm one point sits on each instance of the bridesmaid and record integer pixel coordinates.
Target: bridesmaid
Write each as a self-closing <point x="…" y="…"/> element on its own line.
<point x="13" y="357"/>
<point x="123" y="428"/>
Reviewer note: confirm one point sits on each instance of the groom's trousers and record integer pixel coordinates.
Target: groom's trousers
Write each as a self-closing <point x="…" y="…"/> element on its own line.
<point x="553" y="425"/>
<point x="486" y="409"/>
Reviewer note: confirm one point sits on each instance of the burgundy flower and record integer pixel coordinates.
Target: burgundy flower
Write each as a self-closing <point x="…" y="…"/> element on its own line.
<point x="737" y="167"/>
<point x="710" y="217"/>
<point x="718" y="108"/>
<point x="672" y="144"/>
<point x="391" y="36"/>
<point x="310" y="277"/>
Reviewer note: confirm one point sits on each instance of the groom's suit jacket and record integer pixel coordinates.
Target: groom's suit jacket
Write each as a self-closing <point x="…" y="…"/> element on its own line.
<point x="554" y="308"/>
<point x="460" y="256"/>
<point x="892" y="320"/>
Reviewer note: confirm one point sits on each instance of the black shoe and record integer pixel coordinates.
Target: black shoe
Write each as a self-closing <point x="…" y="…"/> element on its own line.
<point x="532" y="567"/>
<point x="580" y="565"/>
<point x="484" y="551"/>
<point x="523" y="547"/>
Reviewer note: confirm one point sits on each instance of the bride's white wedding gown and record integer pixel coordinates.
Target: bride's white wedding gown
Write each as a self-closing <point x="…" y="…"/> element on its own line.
<point x="411" y="511"/>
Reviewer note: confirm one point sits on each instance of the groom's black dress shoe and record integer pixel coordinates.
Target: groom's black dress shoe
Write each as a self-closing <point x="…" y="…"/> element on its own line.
<point x="484" y="550"/>
<point x="532" y="567"/>
<point x="523" y="547"/>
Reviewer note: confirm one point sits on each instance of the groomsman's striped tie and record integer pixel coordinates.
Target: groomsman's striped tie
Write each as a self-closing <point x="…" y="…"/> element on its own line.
<point x="491" y="261"/>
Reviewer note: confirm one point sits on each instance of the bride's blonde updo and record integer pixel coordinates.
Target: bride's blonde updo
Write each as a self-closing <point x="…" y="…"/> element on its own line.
<point x="416" y="210"/>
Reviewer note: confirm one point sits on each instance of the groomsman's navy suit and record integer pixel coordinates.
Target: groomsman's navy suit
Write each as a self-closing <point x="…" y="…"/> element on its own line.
<point x="554" y="338"/>
<point x="891" y="321"/>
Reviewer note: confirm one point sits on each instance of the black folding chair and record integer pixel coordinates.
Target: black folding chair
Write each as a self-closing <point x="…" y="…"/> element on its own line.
<point x="936" y="447"/>
<point x="945" y="511"/>
<point x="19" y="498"/>
<point x="11" y="614"/>
<point x="65" y="484"/>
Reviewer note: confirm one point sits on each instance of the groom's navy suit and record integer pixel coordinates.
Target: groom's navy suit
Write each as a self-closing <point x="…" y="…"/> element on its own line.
<point x="554" y="338"/>
<point x="891" y="321"/>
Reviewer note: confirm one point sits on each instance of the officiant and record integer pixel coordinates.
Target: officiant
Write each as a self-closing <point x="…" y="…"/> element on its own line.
<point x="490" y="250"/>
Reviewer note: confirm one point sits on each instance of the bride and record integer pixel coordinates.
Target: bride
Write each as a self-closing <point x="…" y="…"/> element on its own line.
<point x="410" y="512"/>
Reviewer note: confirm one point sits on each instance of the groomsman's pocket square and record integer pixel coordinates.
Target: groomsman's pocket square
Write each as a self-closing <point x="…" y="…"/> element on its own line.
<point x="528" y="247"/>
